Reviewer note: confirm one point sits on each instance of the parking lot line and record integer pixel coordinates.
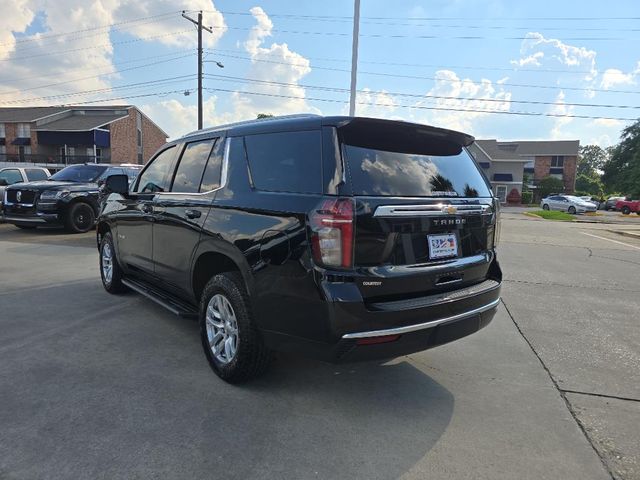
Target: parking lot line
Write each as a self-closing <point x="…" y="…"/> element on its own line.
<point x="610" y="240"/>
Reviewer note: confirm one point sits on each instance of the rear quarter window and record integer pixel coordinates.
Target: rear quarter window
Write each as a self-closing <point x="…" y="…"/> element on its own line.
<point x="34" y="174"/>
<point x="286" y="161"/>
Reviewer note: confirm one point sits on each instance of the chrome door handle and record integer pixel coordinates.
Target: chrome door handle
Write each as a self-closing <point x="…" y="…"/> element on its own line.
<point x="146" y="208"/>
<point x="190" y="213"/>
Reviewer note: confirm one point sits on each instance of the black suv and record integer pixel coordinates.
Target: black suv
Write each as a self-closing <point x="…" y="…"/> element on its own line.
<point x="340" y="238"/>
<point x="69" y="198"/>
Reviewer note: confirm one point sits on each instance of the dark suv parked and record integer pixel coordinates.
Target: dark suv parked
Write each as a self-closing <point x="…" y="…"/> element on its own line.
<point x="336" y="237"/>
<point x="69" y="197"/>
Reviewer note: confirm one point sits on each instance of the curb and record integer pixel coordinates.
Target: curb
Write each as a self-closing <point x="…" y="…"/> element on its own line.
<point x="625" y="233"/>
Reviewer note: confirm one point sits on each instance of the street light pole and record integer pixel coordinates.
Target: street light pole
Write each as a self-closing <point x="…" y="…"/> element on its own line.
<point x="354" y="57"/>
<point x="200" y="27"/>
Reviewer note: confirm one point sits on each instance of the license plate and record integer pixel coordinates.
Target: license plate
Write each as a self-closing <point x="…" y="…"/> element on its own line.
<point x="442" y="246"/>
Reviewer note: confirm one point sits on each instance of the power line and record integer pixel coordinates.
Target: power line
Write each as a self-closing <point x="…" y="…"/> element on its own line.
<point x="417" y="95"/>
<point x="181" y="78"/>
<point x="423" y="77"/>
<point x="93" y="76"/>
<point x="399" y="21"/>
<point x="425" y="37"/>
<point x="154" y="94"/>
<point x="139" y="39"/>
<point x="422" y="107"/>
<point x="99" y="27"/>
<point x="427" y="65"/>
<point x="84" y="69"/>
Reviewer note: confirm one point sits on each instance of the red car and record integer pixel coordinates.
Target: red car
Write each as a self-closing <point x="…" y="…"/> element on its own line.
<point x="628" y="206"/>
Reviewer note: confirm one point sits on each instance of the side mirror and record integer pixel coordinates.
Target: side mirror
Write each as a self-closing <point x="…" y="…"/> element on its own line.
<point x="117" y="184"/>
<point x="3" y="182"/>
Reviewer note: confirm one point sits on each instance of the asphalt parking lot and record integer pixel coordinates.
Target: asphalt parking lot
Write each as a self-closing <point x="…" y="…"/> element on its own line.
<point x="96" y="386"/>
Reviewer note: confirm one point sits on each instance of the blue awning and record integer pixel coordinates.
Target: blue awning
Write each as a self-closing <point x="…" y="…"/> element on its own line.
<point x="502" y="177"/>
<point x="485" y="165"/>
<point x="21" y="141"/>
<point x="99" y="138"/>
<point x="3" y="141"/>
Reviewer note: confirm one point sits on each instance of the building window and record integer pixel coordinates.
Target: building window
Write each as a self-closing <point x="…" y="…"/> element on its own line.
<point x="3" y="152"/>
<point x="23" y="151"/>
<point x="501" y="193"/>
<point x="557" y="161"/>
<point x="2" y="134"/>
<point x="24" y="130"/>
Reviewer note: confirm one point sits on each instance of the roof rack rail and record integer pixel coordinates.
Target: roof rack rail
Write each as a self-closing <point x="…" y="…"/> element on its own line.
<point x="248" y="122"/>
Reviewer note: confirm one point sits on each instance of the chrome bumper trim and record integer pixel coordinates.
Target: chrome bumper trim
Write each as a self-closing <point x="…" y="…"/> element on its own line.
<point x="24" y="219"/>
<point x="421" y="326"/>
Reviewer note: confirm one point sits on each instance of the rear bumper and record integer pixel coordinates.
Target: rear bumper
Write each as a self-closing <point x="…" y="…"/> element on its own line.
<point x="358" y="331"/>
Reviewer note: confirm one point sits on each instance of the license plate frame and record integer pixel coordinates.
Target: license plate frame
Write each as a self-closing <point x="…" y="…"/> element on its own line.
<point x="442" y="245"/>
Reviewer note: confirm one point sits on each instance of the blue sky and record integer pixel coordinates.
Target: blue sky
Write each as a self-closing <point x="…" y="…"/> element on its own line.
<point x="412" y="46"/>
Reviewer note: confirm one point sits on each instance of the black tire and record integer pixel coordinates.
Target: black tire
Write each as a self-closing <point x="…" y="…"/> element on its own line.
<point x="113" y="285"/>
<point x="252" y="358"/>
<point x="25" y="227"/>
<point x="638" y="212"/>
<point x="545" y="207"/>
<point x="572" y="210"/>
<point x="626" y="210"/>
<point x="80" y="218"/>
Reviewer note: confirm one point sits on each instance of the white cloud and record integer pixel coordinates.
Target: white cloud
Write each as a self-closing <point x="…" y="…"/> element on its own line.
<point x="613" y="77"/>
<point x="177" y="118"/>
<point x="374" y="104"/>
<point x="533" y="59"/>
<point x="558" y="131"/>
<point x="277" y="64"/>
<point x="535" y="47"/>
<point x="462" y="94"/>
<point x="32" y="61"/>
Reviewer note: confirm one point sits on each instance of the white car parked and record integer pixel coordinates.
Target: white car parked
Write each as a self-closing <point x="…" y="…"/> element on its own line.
<point x="567" y="203"/>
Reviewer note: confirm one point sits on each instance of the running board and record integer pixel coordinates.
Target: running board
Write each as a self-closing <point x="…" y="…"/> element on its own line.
<point x="175" y="305"/>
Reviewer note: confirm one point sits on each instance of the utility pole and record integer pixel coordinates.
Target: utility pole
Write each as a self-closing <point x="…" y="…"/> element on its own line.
<point x="200" y="27"/>
<point x="354" y="57"/>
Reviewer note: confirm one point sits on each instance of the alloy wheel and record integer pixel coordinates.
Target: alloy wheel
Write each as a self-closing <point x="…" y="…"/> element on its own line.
<point x="222" y="328"/>
<point x="107" y="263"/>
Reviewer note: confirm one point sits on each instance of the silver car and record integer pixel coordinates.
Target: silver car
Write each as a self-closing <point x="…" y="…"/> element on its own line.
<point x="567" y="203"/>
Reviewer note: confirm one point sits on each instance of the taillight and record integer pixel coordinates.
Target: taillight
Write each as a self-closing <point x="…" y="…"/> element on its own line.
<point x="331" y="225"/>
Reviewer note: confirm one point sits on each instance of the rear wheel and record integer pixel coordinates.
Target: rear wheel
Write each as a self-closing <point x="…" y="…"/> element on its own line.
<point x="545" y="207"/>
<point x="232" y="343"/>
<point x="109" y="268"/>
<point x="572" y="210"/>
<point x="626" y="210"/>
<point x="80" y="218"/>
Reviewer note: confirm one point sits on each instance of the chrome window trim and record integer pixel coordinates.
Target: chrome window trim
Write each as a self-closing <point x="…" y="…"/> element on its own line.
<point x="433" y="210"/>
<point x="223" y="176"/>
<point x="421" y="326"/>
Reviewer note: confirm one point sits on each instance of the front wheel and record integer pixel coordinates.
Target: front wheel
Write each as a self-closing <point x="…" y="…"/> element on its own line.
<point x="626" y="210"/>
<point x="572" y="210"/>
<point x="232" y="343"/>
<point x="110" y="271"/>
<point x="80" y="218"/>
<point x="545" y="207"/>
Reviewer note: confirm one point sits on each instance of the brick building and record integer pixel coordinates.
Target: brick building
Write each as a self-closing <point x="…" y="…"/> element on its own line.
<point x="507" y="163"/>
<point x="58" y="136"/>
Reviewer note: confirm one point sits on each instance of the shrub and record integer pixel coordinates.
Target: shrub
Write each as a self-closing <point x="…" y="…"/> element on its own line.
<point x="527" y="197"/>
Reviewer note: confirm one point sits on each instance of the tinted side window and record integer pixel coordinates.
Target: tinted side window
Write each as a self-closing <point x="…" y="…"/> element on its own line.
<point x="157" y="176"/>
<point x="11" y="176"/>
<point x="212" y="174"/>
<point x="286" y="162"/>
<point x="191" y="166"/>
<point x="35" y="174"/>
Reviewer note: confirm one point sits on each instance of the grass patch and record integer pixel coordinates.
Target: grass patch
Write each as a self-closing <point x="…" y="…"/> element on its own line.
<point x="552" y="215"/>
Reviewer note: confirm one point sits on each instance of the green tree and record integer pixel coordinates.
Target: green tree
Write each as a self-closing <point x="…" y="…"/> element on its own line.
<point x="264" y="115"/>
<point x="591" y="160"/>
<point x="622" y="171"/>
<point x="589" y="184"/>
<point x="549" y="185"/>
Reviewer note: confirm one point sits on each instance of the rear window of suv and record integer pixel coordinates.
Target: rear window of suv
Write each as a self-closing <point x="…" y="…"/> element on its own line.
<point x="389" y="173"/>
